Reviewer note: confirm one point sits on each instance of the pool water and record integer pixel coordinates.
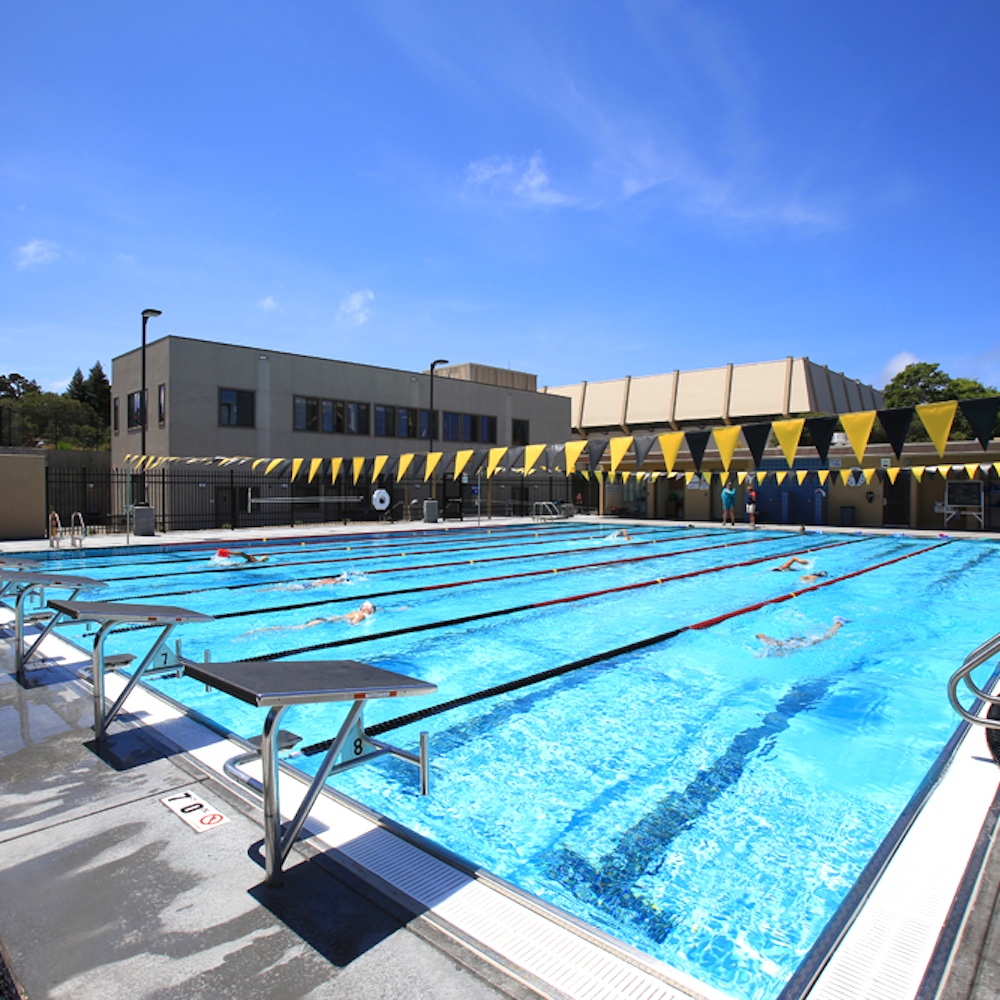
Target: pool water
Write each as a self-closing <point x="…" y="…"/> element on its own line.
<point x="683" y="786"/>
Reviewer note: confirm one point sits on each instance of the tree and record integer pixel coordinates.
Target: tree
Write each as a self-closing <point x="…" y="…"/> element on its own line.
<point x="99" y="393"/>
<point x="15" y="386"/>
<point x="77" y="388"/>
<point x="927" y="383"/>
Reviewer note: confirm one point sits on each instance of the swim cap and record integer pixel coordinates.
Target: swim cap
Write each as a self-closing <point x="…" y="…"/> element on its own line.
<point x="223" y="553"/>
<point x="839" y="621"/>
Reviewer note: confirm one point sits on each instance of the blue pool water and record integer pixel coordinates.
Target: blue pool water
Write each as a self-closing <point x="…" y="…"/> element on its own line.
<point x="699" y="797"/>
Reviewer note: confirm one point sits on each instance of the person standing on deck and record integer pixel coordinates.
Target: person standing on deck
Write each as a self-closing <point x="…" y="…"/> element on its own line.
<point x="729" y="504"/>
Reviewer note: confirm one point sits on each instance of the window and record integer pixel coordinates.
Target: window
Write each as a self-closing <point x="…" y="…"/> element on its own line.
<point x="425" y="424"/>
<point x="406" y="422"/>
<point x="488" y="430"/>
<point x="518" y="433"/>
<point x="114" y="415"/>
<point x="357" y="418"/>
<point x="134" y="409"/>
<point x="452" y="426"/>
<point x="385" y="421"/>
<point x="327" y="416"/>
<point x="236" y="408"/>
<point x="306" y="413"/>
<point x="161" y="404"/>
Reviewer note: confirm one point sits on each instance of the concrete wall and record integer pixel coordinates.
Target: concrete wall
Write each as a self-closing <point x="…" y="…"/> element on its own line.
<point x="22" y="499"/>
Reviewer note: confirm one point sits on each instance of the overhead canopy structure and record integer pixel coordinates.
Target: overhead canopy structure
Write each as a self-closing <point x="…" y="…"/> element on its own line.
<point x="725" y="395"/>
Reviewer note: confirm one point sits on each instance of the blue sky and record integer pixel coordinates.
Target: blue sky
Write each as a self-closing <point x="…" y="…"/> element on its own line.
<point x="583" y="190"/>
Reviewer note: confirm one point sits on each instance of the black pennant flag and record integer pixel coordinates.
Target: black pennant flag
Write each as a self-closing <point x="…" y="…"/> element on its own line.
<point x="896" y="422"/>
<point x="697" y="441"/>
<point x="756" y="436"/>
<point x="982" y="415"/>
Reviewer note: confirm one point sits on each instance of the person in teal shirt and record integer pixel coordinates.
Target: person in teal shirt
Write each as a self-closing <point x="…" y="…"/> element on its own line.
<point x="729" y="504"/>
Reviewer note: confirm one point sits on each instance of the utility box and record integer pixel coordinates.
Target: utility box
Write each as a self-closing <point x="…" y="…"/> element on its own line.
<point x="143" y="520"/>
<point x="847" y="517"/>
<point x="430" y="511"/>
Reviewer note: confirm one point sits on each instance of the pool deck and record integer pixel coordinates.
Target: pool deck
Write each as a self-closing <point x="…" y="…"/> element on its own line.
<point x="106" y="893"/>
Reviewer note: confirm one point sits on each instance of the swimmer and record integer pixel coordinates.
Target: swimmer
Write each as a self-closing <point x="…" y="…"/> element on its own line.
<point x="326" y="581"/>
<point x="620" y="535"/>
<point x="813" y="577"/>
<point x="781" y="646"/>
<point x="234" y="554"/>
<point x="790" y="565"/>
<point x="366" y="610"/>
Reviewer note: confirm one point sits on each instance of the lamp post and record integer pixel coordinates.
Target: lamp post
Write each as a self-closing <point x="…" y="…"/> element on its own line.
<point x="146" y="314"/>
<point x="434" y="364"/>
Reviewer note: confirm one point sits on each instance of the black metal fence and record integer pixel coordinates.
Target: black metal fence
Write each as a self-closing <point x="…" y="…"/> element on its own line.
<point x="223" y="498"/>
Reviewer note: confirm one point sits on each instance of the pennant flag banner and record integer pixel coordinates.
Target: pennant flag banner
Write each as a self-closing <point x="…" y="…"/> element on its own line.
<point x="740" y="477"/>
<point x="461" y="461"/>
<point x="824" y="475"/>
<point x="296" y="465"/>
<point x="788" y="433"/>
<point x="779" y="477"/>
<point x="801" y="475"/>
<point x="573" y="451"/>
<point x="515" y="458"/>
<point x="595" y="450"/>
<point x="918" y="472"/>
<point x="821" y="430"/>
<point x="532" y="453"/>
<point x="938" y="418"/>
<point x="896" y="423"/>
<point x="335" y="465"/>
<point x="670" y="445"/>
<point x="378" y="465"/>
<point x="314" y="466"/>
<point x="756" y="437"/>
<point x="619" y="446"/>
<point x="404" y="464"/>
<point x="972" y="469"/>
<point x="642" y="445"/>
<point x="358" y="464"/>
<point x="982" y="417"/>
<point x="697" y="442"/>
<point x="892" y="474"/>
<point x="869" y="475"/>
<point x="433" y="457"/>
<point x="726" y="439"/>
<point x="272" y="465"/>
<point x="858" y="428"/>
<point x="494" y="460"/>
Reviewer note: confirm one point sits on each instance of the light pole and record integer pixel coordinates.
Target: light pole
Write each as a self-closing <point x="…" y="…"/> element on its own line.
<point x="146" y="314"/>
<point x="433" y="421"/>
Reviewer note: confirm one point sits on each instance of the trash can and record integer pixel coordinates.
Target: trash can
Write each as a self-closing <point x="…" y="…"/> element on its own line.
<point x="430" y="511"/>
<point x="143" y="519"/>
<point x="847" y="517"/>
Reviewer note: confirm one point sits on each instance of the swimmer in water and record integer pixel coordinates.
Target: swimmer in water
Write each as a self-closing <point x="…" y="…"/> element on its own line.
<point x="781" y="646"/>
<point x="366" y="610"/>
<point x="620" y="535"/>
<point x="790" y="565"/>
<point x="234" y="554"/>
<point x="326" y="581"/>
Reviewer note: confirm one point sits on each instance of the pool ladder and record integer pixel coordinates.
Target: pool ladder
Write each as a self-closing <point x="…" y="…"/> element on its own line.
<point x="991" y="721"/>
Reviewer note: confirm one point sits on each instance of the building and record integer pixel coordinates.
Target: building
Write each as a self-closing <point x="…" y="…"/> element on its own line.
<point x="207" y="398"/>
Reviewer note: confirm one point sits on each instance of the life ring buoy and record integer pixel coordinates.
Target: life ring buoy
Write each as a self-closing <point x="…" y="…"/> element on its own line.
<point x="380" y="500"/>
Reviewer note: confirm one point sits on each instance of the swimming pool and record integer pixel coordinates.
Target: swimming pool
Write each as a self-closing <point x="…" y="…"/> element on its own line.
<point x="634" y="757"/>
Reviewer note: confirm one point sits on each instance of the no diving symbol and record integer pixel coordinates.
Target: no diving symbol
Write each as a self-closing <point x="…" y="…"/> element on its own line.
<point x="212" y="819"/>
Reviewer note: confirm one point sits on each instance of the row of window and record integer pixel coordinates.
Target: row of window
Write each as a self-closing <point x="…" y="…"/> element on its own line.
<point x="336" y="416"/>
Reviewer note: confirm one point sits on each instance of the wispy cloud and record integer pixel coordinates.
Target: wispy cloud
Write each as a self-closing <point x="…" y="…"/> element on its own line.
<point x="36" y="253"/>
<point x="525" y="182"/>
<point x="896" y="364"/>
<point x="269" y="304"/>
<point x="356" y="310"/>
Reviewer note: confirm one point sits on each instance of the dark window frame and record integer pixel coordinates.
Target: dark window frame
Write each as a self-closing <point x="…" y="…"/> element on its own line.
<point x="237" y="407"/>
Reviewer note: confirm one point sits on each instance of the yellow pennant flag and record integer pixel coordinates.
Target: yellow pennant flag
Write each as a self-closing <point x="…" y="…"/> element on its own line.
<point x="253" y="467"/>
<point x="335" y="464"/>
<point x="788" y="433"/>
<point x="801" y="475"/>
<point x="780" y="477"/>
<point x="938" y="418"/>
<point x="433" y="457"/>
<point x="944" y="469"/>
<point x="586" y="474"/>
<point x="378" y="464"/>
<point x="761" y="476"/>
<point x="726" y="439"/>
<point x="845" y="475"/>
<point x="740" y="476"/>
<point x="917" y="471"/>
<point x="972" y="469"/>
<point x="404" y="464"/>
<point x="314" y="466"/>
<point x="892" y="472"/>
<point x="619" y="446"/>
<point x="461" y="461"/>
<point x="707" y="476"/>
<point x="670" y="445"/>
<point x="296" y="465"/>
<point x="358" y="464"/>
<point x="625" y="476"/>
<point x="869" y="475"/>
<point x="531" y="454"/>
<point x="824" y="475"/>
<point x="858" y="428"/>
<point x="573" y="451"/>
<point x="688" y="476"/>
<point x="272" y="465"/>
<point x="996" y="468"/>
<point x="496" y="454"/>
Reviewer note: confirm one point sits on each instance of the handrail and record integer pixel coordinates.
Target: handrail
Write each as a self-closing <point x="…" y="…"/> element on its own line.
<point x="976" y="658"/>
<point x="76" y="521"/>
<point x="55" y="529"/>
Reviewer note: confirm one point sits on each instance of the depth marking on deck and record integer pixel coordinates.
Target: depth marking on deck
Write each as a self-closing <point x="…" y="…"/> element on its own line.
<point x="195" y="811"/>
